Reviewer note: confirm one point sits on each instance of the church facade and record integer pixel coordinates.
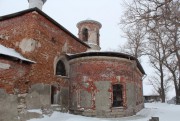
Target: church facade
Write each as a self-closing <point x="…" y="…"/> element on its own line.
<point x="42" y="63"/>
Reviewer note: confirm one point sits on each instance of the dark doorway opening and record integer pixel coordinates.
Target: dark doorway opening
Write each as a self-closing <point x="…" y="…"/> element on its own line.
<point x="117" y="95"/>
<point x="54" y="94"/>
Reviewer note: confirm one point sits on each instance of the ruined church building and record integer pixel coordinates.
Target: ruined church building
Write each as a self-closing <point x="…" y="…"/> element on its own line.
<point x="43" y="64"/>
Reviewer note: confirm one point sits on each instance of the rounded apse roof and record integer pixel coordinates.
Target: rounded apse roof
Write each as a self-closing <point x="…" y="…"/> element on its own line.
<point x="109" y="54"/>
<point x="89" y="21"/>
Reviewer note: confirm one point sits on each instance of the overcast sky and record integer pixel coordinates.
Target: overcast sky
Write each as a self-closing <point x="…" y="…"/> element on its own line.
<point x="69" y="12"/>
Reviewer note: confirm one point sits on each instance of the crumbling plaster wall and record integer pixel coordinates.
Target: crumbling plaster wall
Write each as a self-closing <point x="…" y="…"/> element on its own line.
<point x="8" y="104"/>
<point x="95" y="76"/>
<point x="39" y="95"/>
<point x="13" y="75"/>
<point x="38" y="39"/>
<point x="93" y="33"/>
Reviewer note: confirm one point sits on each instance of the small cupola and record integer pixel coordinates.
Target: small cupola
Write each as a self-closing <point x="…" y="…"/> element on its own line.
<point x="89" y="33"/>
<point x="36" y="3"/>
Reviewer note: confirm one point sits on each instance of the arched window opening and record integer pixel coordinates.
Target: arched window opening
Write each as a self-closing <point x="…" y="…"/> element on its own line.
<point x="117" y="95"/>
<point x="60" y="68"/>
<point x="85" y="34"/>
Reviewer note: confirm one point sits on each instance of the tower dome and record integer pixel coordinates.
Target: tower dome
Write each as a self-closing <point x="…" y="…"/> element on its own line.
<point x="36" y="3"/>
<point x="89" y="33"/>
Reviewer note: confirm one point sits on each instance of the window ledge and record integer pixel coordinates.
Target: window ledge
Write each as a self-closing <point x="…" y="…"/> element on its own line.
<point x="118" y="107"/>
<point x="66" y="77"/>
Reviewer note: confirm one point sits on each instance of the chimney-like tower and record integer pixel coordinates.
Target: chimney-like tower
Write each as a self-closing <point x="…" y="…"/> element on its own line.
<point x="36" y="3"/>
<point x="89" y="33"/>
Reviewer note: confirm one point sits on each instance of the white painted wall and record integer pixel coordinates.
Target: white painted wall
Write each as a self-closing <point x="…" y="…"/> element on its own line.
<point x="36" y="3"/>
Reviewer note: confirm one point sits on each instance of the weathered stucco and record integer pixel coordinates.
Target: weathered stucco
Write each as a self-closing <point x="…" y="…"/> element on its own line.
<point x="95" y="75"/>
<point x="8" y="104"/>
<point x="39" y="95"/>
<point x="38" y="39"/>
<point x="85" y="87"/>
<point x="93" y="30"/>
<point x="13" y="75"/>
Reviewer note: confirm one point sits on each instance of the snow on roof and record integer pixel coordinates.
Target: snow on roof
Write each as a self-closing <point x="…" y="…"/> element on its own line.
<point x="12" y="53"/>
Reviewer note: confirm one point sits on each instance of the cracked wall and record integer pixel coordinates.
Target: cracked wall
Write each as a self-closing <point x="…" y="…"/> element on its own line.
<point x="95" y="76"/>
<point x="36" y="38"/>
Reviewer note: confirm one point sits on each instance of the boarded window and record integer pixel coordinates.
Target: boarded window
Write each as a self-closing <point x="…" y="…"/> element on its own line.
<point x="117" y="95"/>
<point x="60" y="68"/>
<point x="85" y="34"/>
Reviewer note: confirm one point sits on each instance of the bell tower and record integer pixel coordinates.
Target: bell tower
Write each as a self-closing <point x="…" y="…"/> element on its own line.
<point x="89" y="33"/>
<point x="36" y="3"/>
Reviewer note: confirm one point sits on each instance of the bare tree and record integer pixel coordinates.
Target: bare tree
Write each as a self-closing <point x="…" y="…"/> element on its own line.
<point x="172" y="66"/>
<point x="172" y="24"/>
<point x="155" y="82"/>
<point x="161" y="23"/>
<point x="157" y="57"/>
<point x="135" y="41"/>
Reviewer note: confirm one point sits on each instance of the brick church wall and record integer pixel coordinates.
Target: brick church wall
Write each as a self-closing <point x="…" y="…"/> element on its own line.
<point x="38" y="39"/>
<point x="13" y="75"/>
<point x="42" y="40"/>
<point x="91" y="83"/>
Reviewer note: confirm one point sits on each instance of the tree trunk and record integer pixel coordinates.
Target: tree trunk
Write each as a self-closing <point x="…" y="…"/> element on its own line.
<point x="178" y="90"/>
<point x="178" y="85"/>
<point x="162" y="85"/>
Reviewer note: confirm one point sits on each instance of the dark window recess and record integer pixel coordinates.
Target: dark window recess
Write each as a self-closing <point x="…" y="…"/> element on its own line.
<point x="117" y="95"/>
<point x="53" y="94"/>
<point x="85" y="34"/>
<point x="60" y="69"/>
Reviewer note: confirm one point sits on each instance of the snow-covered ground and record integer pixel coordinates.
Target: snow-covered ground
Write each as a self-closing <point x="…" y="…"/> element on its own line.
<point x="165" y="112"/>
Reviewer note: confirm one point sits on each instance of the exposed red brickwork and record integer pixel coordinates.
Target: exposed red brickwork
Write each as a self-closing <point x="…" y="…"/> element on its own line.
<point x="15" y="77"/>
<point x="90" y="25"/>
<point x="102" y="70"/>
<point x="90" y="78"/>
<point x="51" y="42"/>
<point x="93" y="28"/>
<point x="91" y="70"/>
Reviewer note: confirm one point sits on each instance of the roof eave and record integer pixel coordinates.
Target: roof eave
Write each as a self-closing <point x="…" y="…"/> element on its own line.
<point x="113" y="54"/>
<point x="2" y="18"/>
